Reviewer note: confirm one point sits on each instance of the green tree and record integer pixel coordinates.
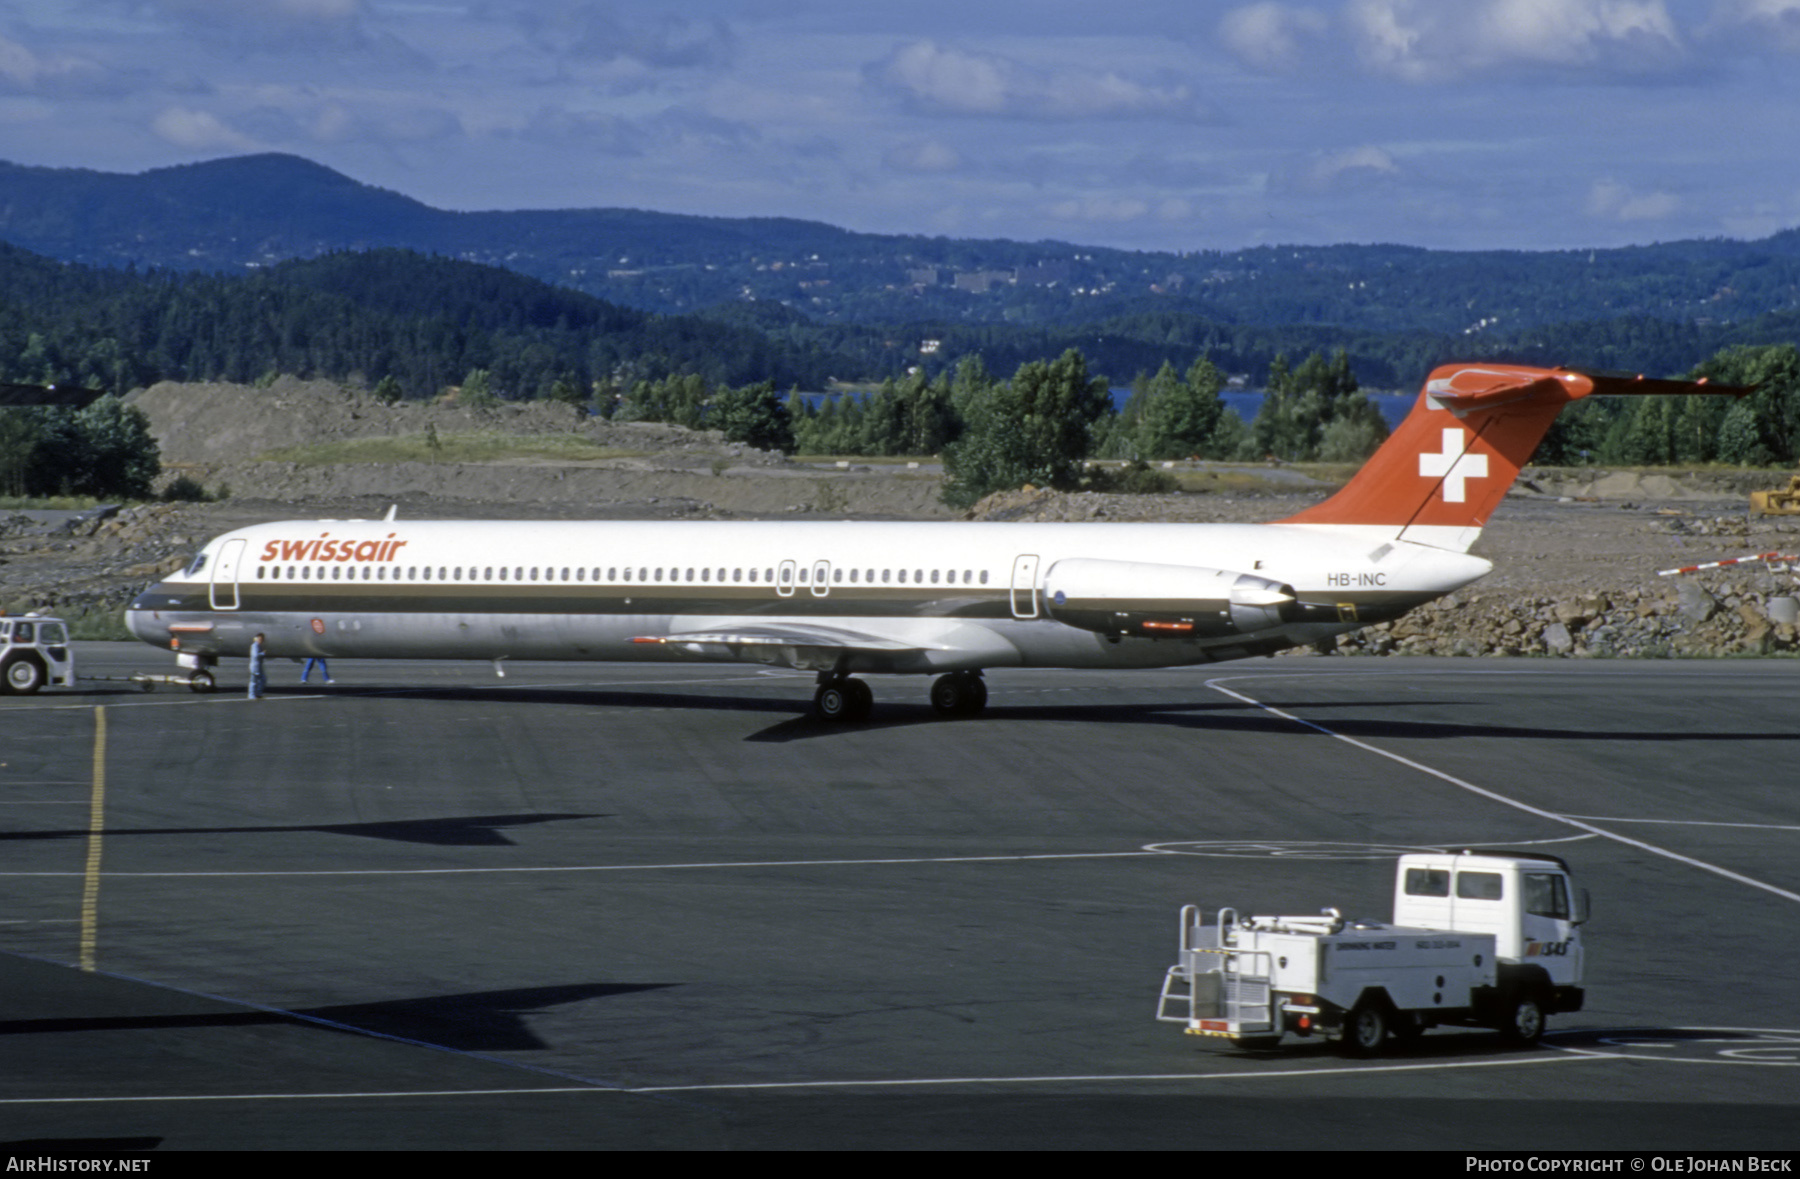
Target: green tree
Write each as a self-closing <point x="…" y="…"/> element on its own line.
<point x="1037" y="428"/>
<point x="755" y="415"/>
<point x="1180" y="417"/>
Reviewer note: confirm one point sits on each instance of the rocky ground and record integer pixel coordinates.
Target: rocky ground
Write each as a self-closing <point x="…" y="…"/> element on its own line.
<point x="1576" y="553"/>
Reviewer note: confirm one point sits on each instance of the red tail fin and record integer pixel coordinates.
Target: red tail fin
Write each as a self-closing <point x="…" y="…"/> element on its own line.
<point x="1444" y="470"/>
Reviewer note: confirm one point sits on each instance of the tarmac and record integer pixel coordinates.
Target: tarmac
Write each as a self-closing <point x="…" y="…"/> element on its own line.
<point x="617" y="906"/>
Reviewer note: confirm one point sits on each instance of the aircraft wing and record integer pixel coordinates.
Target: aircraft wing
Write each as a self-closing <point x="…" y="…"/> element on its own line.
<point x="787" y="634"/>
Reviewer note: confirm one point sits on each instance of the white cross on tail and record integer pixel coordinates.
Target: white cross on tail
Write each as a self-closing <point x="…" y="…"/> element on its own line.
<point x="1455" y="465"/>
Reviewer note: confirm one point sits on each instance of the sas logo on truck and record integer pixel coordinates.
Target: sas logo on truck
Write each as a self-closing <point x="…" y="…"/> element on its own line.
<point x="1546" y="949"/>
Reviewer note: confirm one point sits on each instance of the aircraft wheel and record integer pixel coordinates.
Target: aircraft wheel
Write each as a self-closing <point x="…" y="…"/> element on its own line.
<point x="950" y="695"/>
<point x="202" y="681"/>
<point x="835" y="701"/>
<point x="22" y="675"/>
<point x="960" y="693"/>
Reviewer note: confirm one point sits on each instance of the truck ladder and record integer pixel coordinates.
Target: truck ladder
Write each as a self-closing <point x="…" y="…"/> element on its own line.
<point x="1217" y="990"/>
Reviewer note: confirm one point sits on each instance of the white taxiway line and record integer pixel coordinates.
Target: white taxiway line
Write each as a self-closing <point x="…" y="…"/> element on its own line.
<point x="746" y="1086"/>
<point x="1218" y="685"/>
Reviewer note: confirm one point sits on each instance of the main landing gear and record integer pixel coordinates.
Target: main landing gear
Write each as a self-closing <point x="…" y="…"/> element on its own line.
<point x="845" y="698"/>
<point x="841" y="698"/>
<point x="961" y="693"/>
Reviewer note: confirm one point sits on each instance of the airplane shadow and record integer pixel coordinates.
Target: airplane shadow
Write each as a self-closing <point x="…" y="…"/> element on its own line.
<point x="460" y="831"/>
<point x="476" y="1021"/>
<point x="1233" y="717"/>
<point x="1209" y="715"/>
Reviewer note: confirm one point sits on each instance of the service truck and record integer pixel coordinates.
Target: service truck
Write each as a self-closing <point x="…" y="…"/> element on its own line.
<point x="1479" y="939"/>
<point x="34" y="651"/>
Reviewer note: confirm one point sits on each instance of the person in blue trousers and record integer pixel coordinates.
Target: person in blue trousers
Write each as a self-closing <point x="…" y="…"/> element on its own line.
<point x="259" y="676"/>
<point x="318" y="662"/>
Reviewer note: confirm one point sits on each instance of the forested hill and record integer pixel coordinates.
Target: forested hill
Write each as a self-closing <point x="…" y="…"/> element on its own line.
<point x="255" y="211"/>
<point x="425" y="322"/>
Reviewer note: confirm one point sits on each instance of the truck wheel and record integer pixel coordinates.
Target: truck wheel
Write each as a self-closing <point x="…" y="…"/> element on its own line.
<point x="1525" y="1023"/>
<point x="202" y="681"/>
<point x="22" y="675"/>
<point x="1366" y="1029"/>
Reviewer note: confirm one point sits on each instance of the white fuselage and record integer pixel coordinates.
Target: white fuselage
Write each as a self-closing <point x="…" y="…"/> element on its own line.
<point x="881" y="597"/>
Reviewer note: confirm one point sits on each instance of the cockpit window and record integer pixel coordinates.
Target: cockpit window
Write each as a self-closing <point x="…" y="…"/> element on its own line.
<point x="196" y="565"/>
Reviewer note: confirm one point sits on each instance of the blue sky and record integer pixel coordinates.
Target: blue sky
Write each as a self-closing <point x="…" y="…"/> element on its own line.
<point x="1513" y="124"/>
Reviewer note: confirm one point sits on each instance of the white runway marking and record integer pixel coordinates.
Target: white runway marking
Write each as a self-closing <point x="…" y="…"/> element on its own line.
<point x="745" y="1086"/>
<point x="1218" y="685"/>
<point x="1691" y="823"/>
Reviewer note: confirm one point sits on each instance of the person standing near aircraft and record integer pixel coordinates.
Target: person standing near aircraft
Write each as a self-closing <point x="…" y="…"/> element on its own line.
<point x="318" y="662"/>
<point x="259" y="676"/>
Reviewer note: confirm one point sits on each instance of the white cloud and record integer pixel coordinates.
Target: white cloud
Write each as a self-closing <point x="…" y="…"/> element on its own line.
<point x="1756" y="24"/>
<point x="23" y="71"/>
<point x="944" y="80"/>
<point x="922" y="155"/>
<point x="1335" y="171"/>
<point x="1612" y="201"/>
<point x="199" y="131"/>
<point x="1434" y="40"/>
<point x="1100" y="208"/>
<point x="1273" y="36"/>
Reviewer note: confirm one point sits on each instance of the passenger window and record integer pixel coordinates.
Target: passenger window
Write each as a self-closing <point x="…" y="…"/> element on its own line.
<point x="706" y="575"/>
<point x="934" y="577"/>
<point x="1479" y="886"/>
<point x="984" y="577"/>
<point x="837" y="575"/>
<point x="738" y="574"/>
<point x="259" y="573"/>
<point x="1427" y="882"/>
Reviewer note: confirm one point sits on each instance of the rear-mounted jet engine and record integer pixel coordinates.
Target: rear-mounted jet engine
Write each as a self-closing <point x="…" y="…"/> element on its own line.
<point x="1165" y="601"/>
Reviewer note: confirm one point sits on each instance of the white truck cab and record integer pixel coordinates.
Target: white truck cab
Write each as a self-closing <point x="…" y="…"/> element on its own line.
<point x="1481" y="939"/>
<point x="34" y="651"/>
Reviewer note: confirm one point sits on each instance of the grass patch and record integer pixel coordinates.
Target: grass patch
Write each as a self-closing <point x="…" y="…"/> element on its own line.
<point x="49" y="503"/>
<point x="449" y="448"/>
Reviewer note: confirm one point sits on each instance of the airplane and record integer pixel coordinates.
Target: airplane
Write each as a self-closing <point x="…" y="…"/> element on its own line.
<point x="846" y="599"/>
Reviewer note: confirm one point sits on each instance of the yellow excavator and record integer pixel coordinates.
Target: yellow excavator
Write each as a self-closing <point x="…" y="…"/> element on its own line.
<point x="1780" y="501"/>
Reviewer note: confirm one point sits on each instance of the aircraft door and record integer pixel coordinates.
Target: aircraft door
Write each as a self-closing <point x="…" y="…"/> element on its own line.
<point x="225" y="576"/>
<point x="821" y="582"/>
<point x="784" y="579"/>
<point x="1024" y="586"/>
